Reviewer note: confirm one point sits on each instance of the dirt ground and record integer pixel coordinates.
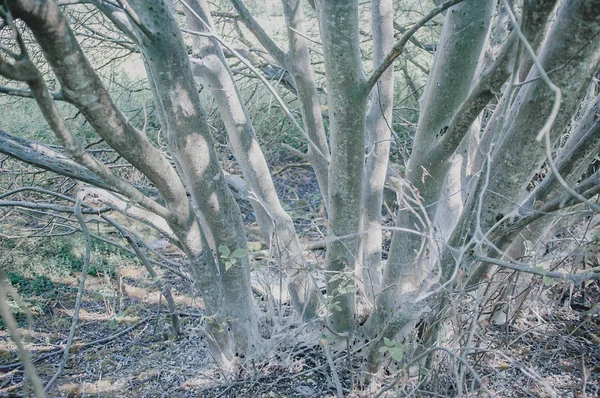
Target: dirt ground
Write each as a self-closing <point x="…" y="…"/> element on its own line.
<point x="123" y="345"/>
<point x="127" y="351"/>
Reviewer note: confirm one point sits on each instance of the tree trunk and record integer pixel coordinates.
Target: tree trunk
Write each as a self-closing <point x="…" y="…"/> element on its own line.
<point x="276" y="223"/>
<point x="192" y="147"/>
<point x="377" y="148"/>
<point x="456" y="62"/>
<point x="338" y="22"/>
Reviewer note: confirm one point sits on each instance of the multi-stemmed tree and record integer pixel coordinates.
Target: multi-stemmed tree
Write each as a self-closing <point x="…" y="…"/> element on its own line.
<point x="507" y="81"/>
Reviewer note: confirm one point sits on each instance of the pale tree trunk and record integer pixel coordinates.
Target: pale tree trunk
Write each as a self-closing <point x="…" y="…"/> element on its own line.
<point x="534" y="21"/>
<point x="582" y="146"/>
<point x="536" y="15"/>
<point x="519" y="155"/>
<point x="192" y="146"/>
<point x="535" y="25"/>
<point x="277" y="225"/>
<point x="338" y="22"/>
<point x="83" y="88"/>
<point x="456" y="186"/>
<point x="456" y="62"/>
<point x="297" y="62"/>
<point x="377" y="148"/>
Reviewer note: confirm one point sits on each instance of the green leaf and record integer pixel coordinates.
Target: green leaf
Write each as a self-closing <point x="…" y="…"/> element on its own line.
<point x="541" y="270"/>
<point x="224" y="250"/>
<point x="351" y="289"/>
<point x="383" y="349"/>
<point x="239" y="253"/>
<point x="112" y="324"/>
<point x="387" y="341"/>
<point x="396" y="354"/>
<point x="547" y="281"/>
<point x="228" y="264"/>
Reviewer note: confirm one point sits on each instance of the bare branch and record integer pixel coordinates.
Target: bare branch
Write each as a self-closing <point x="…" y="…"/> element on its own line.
<point x="84" y="271"/>
<point x="166" y="291"/>
<point x="47" y="206"/>
<point x="522" y="267"/>
<point x="82" y="85"/>
<point x="134" y="17"/>
<point x="19" y="92"/>
<point x="41" y="156"/>
<point x="24" y="355"/>
<point x="272" y="90"/>
<point x="257" y="30"/>
<point x="400" y="44"/>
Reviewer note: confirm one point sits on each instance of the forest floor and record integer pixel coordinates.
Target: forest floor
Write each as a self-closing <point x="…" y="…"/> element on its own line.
<point x="124" y="348"/>
<point x="130" y="354"/>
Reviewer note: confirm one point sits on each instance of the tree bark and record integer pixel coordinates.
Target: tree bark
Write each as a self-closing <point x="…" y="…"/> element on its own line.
<point x="465" y="30"/>
<point x="377" y="147"/>
<point x="275" y="223"/>
<point x="192" y="146"/>
<point x="338" y="22"/>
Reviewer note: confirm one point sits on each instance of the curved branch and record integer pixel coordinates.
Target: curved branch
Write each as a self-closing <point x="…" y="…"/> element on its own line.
<point x="82" y="85"/>
<point x="257" y="30"/>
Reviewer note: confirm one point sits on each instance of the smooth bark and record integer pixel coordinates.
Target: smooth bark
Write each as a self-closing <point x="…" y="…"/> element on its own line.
<point x="192" y="147"/>
<point x="338" y="22"/>
<point x="377" y="148"/>
<point x="456" y="62"/>
<point x="274" y="222"/>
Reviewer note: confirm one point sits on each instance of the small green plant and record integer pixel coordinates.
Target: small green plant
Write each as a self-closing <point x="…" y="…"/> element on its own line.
<point x="15" y="279"/>
<point x="17" y="314"/>
<point x="230" y="258"/>
<point x="394" y="348"/>
<point x="42" y="284"/>
<point x="548" y="281"/>
<point x="116" y="318"/>
<point x="346" y="283"/>
<point x="334" y="306"/>
<point x="37" y="286"/>
<point x="102" y="269"/>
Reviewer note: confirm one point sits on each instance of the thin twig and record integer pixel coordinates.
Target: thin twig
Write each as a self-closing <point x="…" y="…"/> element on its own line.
<point x="24" y="355"/>
<point x="155" y="278"/>
<point x="334" y="373"/>
<point x="522" y="267"/>
<point x="84" y="270"/>
<point x="398" y="48"/>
